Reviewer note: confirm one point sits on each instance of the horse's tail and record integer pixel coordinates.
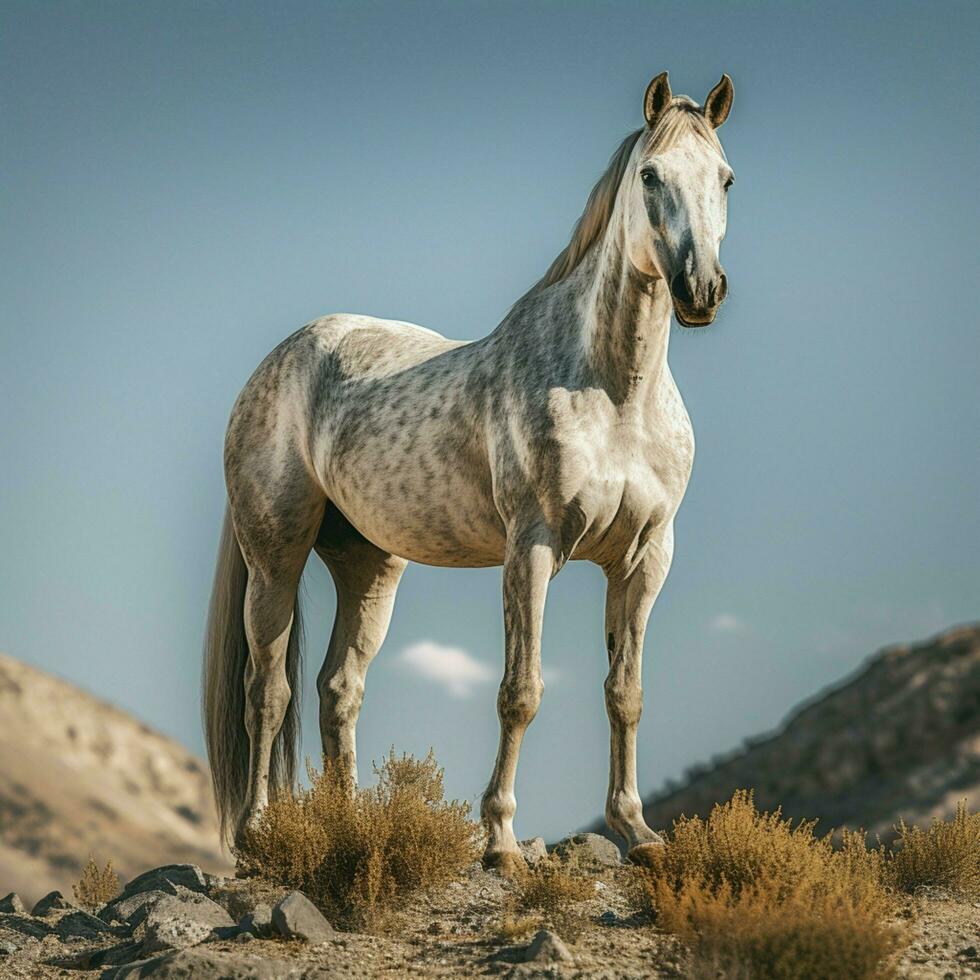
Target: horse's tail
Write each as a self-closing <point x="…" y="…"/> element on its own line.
<point x="225" y="659"/>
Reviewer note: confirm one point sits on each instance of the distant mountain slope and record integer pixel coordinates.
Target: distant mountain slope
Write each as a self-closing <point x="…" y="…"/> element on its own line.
<point x="900" y="737"/>
<point x="80" y="776"/>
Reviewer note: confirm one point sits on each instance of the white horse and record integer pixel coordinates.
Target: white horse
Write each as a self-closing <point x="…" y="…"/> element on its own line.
<point x="560" y="435"/>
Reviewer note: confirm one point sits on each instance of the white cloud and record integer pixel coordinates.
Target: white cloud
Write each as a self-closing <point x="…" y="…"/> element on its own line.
<point x="458" y="671"/>
<point x="726" y="623"/>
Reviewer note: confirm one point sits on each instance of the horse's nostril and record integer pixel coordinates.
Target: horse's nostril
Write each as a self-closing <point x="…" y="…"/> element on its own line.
<point x="721" y="291"/>
<point x="679" y="288"/>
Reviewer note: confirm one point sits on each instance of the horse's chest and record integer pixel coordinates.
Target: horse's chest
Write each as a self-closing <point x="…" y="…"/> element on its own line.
<point x="626" y="481"/>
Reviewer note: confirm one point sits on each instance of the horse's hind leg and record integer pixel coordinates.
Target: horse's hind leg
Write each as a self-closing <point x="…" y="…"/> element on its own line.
<point x="277" y="508"/>
<point x="366" y="579"/>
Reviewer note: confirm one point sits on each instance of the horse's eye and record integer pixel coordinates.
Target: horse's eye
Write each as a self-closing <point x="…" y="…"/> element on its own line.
<point x="649" y="178"/>
<point x="729" y="182"/>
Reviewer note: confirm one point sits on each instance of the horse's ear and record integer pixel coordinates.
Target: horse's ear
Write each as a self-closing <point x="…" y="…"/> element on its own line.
<point x="657" y="98"/>
<point x="719" y="102"/>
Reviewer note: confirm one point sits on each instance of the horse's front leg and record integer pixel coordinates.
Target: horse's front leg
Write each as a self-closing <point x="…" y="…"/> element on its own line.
<point x="528" y="567"/>
<point x="629" y="598"/>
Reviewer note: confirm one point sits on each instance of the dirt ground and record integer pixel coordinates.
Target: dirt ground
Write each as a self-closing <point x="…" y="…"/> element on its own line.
<point x="946" y="939"/>
<point x="456" y="933"/>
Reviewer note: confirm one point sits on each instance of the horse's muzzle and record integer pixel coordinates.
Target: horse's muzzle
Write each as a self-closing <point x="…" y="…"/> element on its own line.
<point x="696" y="302"/>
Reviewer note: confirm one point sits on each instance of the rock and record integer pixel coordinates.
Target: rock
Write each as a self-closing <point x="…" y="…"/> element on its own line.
<point x="588" y="850"/>
<point x="166" y="879"/>
<point x="12" y="903"/>
<point x="533" y="850"/>
<point x="258" y="922"/>
<point x="133" y="910"/>
<point x="95" y="958"/>
<point x="50" y="903"/>
<point x="79" y="924"/>
<point x="26" y="925"/>
<point x="296" y="917"/>
<point x="546" y="947"/>
<point x="204" y="964"/>
<point x="176" y="922"/>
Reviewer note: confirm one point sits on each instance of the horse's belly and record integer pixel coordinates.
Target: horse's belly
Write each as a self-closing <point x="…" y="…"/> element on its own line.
<point x="429" y="536"/>
<point x="434" y="515"/>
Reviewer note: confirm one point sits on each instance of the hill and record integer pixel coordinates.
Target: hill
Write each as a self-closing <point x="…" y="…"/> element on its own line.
<point x="78" y="776"/>
<point x="899" y="737"/>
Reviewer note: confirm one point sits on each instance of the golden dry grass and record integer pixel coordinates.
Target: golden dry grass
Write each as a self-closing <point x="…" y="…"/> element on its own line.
<point x="96" y="885"/>
<point x="548" y="888"/>
<point x="547" y="895"/>
<point x="754" y="896"/>
<point x="514" y="927"/>
<point x="358" y="855"/>
<point x="945" y="856"/>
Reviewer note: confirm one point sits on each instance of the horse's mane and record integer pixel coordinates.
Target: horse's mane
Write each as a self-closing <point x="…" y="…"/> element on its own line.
<point x="682" y="116"/>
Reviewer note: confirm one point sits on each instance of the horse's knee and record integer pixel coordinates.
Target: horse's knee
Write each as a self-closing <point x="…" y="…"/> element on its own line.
<point x="624" y="701"/>
<point x="340" y="699"/>
<point x="518" y="701"/>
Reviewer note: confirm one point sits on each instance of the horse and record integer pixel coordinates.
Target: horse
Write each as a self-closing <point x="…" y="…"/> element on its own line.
<point x="559" y="435"/>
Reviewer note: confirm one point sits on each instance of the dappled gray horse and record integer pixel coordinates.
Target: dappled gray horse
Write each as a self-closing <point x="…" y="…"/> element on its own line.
<point x="560" y="435"/>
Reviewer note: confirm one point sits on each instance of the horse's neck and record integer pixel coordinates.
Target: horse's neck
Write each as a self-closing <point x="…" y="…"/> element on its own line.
<point x="626" y="323"/>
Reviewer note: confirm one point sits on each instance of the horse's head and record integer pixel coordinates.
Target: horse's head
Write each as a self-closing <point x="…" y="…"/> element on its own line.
<point x="678" y="180"/>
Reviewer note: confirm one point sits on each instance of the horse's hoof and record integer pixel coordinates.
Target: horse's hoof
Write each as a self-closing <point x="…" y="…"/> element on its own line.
<point x="646" y="855"/>
<point x="510" y="864"/>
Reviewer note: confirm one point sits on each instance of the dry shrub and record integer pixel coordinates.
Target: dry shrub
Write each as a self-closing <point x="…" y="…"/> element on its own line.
<point x="946" y="856"/>
<point x="513" y="927"/>
<point x="358" y="854"/>
<point x="799" y="936"/>
<point x="756" y="897"/>
<point x="549" y="888"/>
<point x="97" y="886"/>
<point x="546" y="895"/>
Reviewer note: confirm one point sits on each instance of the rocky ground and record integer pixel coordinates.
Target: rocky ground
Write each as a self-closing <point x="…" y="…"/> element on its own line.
<point x="946" y="939"/>
<point x="179" y="922"/>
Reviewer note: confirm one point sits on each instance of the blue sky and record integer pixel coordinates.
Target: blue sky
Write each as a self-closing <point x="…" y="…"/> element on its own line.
<point x="186" y="183"/>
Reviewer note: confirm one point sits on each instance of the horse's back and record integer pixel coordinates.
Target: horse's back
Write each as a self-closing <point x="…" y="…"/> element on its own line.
<point x="362" y="346"/>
